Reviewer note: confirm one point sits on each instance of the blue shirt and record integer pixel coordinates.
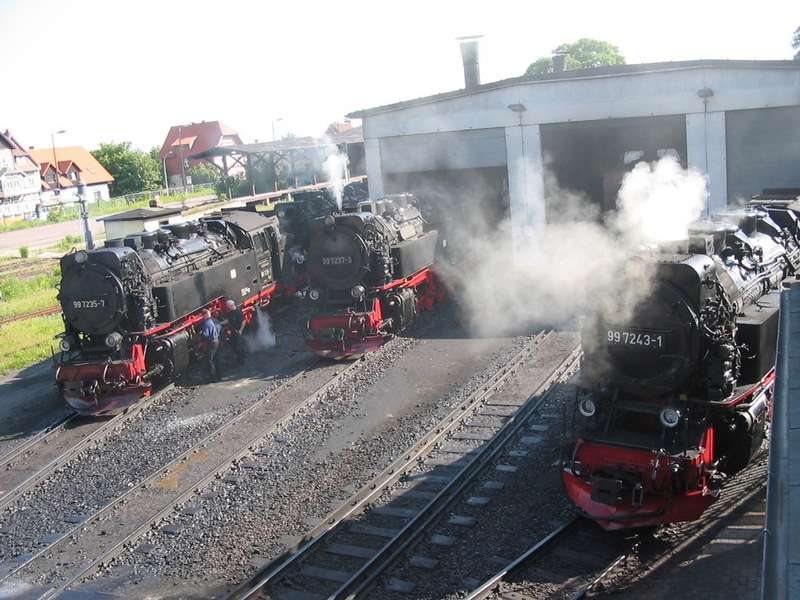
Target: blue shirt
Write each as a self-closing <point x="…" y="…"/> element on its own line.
<point x="210" y="329"/>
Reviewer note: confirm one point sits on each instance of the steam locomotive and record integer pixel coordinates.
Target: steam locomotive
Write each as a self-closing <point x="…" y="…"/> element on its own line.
<point x="132" y="308"/>
<point x="676" y="397"/>
<point x="369" y="271"/>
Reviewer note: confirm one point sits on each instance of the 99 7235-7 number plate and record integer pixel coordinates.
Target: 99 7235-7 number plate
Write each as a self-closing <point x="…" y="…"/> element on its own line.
<point x="94" y="303"/>
<point x="644" y="339"/>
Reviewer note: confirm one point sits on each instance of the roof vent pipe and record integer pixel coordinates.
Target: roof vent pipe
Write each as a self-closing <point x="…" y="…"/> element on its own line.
<point x="559" y="63"/>
<point x="469" y="56"/>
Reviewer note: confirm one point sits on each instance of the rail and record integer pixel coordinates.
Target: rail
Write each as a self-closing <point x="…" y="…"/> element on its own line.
<point x="31" y="315"/>
<point x="780" y="573"/>
<point x="359" y="579"/>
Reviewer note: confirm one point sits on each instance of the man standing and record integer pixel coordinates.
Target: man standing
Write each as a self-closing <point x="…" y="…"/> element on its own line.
<point x="236" y="323"/>
<point x="211" y="330"/>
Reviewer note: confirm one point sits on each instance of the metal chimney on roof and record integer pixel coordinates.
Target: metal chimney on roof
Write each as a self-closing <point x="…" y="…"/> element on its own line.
<point x="559" y="63"/>
<point x="469" y="56"/>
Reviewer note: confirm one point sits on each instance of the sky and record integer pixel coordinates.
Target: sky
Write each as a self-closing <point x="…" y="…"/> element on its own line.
<point x="125" y="70"/>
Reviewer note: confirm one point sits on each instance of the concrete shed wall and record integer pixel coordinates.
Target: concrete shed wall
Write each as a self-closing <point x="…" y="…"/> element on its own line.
<point x="763" y="150"/>
<point x="444" y="151"/>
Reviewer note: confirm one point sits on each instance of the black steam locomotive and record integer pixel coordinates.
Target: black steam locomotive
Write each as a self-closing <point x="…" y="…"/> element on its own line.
<point x="131" y="309"/>
<point x="676" y="397"/>
<point x="369" y="271"/>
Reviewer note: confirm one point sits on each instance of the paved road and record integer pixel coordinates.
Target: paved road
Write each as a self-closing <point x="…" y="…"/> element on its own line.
<point x="48" y="235"/>
<point x="40" y="237"/>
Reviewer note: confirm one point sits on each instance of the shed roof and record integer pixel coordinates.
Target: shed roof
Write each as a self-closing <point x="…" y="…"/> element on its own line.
<point x="572" y="74"/>
<point x="142" y="214"/>
<point x="352" y="136"/>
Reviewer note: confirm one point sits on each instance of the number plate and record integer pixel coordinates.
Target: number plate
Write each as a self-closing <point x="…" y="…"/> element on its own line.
<point x="641" y="339"/>
<point x="89" y="304"/>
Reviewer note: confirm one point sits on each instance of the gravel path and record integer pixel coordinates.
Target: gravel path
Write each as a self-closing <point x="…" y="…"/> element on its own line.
<point x="171" y="423"/>
<point x="317" y="459"/>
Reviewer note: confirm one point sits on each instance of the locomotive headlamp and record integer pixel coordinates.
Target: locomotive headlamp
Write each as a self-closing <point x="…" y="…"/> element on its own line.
<point x="314" y="294"/>
<point x="329" y="221"/>
<point x="81" y="257"/>
<point x="65" y="345"/>
<point x="357" y="292"/>
<point x="587" y="407"/>
<point x="113" y="339"/>
<point x="669" y="417"/>
<point x="300" y="258"/>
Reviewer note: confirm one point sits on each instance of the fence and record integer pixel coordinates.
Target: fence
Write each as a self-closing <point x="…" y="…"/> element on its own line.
<point x="157" y="194"/>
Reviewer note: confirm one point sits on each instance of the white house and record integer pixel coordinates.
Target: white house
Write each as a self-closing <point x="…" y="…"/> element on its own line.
<point x="19" y="179"/>
<point x="62" y="168"/>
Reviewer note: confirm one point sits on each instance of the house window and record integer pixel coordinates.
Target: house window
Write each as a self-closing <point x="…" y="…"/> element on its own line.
<point x="73" y="175"/>
<point x="51" y="177"/>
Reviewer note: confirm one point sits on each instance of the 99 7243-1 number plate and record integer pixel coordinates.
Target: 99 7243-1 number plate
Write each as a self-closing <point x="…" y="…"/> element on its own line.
<point x="643" y="339"/>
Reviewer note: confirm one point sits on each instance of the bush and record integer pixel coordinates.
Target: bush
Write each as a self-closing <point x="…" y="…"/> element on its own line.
<point x="23" y="252"/>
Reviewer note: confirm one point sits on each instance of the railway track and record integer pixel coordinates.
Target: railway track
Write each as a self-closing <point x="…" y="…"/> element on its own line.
<point x="52" y="310"/>
<point x="352" y="548"/>
<point x="30" y="463"/>
<point x="7" y="460"/>
<point x="75" y="555"/>
<point x="558" y="566"/>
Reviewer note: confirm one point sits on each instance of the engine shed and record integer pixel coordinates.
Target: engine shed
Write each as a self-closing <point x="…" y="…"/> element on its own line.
<point x="496" y="144"/>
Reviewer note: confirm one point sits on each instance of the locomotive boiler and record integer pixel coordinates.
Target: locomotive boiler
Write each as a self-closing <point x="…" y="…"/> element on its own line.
<point x="370" y="273"/>
<point x="675" y="397"/>
<point x="131" y="309"/>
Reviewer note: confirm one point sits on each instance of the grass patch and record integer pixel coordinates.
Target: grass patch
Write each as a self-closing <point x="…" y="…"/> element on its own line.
<point x="28" y="342"/>
<point x="38" y="300"/>
<point x="22" y="296"/>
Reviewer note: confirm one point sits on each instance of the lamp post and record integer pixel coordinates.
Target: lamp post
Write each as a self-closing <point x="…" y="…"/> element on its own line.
<point x="273" y="126"/>
<point x="183" y="167"/>
<point x="55" y="160"/>
<point x="87" y="232"/>
<point x="164" y="164"/>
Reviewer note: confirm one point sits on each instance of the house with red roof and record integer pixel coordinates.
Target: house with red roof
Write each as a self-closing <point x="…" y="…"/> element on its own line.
<point x="184" y="142"/>
<point x="63" y="169"/>
<point x="19" y="178"/>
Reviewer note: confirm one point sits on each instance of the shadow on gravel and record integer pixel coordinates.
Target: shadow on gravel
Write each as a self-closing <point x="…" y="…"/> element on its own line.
<point x="28" y="401"/>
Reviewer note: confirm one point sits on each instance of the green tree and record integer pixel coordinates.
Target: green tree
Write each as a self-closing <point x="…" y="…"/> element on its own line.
<point x="133" y="170"/>
<point x="796" y="43"/>
<point x="586" y="53"/>
<point x="154" y="154"/>
<point x="204" y="174"/>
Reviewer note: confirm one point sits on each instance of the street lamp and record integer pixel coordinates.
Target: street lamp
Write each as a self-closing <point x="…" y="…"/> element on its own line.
<point x="164" y="164"/>
<point x="273" y="126"/>
<point x="55" y="160"/>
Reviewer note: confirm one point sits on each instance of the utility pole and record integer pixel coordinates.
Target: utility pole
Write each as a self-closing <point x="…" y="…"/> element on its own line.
<point x="183" y="168"/>
<point x="87" y="232"/>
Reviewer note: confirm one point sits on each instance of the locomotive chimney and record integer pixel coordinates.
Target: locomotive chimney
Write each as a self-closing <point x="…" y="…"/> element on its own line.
<point x="469" y="57"/>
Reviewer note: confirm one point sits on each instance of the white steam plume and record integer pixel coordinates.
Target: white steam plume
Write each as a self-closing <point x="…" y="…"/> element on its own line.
<point x="574" y="266"/>
<point x="657" y="201"/>
<point x="335" y="167"/>
<point x="262" y="337"/>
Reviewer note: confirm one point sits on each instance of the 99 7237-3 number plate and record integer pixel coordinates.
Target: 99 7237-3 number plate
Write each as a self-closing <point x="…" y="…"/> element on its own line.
<point x="644" y="339"/>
